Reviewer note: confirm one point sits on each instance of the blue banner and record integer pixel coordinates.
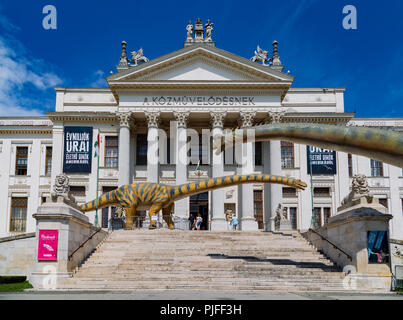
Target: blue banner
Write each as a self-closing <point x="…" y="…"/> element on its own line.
<point x="77" y="156"/>
<point x="323" y="161"/>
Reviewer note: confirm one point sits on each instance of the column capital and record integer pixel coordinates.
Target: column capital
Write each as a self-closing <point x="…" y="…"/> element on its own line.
<point x="217" y="119"/>
<point x="182" y="117"/>
<point x="276" y="115"/>
<point x="153" y="118"/>
<point x="246" y="119"/>
<point x="125" y="119"/>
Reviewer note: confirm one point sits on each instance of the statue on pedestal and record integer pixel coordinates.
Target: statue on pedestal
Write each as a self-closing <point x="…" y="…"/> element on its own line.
<point x="209" y="29"/>
<point x="261" y="56"/>
<point x="189" y="28"/>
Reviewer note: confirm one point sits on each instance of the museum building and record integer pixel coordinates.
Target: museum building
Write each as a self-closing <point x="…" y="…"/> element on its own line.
<point x="168" y="109"/>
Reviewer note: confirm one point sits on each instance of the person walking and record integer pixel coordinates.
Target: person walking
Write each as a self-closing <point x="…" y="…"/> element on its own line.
<point x="234" y="222"/>
<point x="199" y="221"/>
<point x="191" y="222"/>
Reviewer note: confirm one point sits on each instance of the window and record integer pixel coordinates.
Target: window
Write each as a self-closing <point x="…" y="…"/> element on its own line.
<point x="77" y="191"/>
<point x="350" y="165"/>
<point x="317" y="217"/>
<point x="376" y="168"/>
<point x="384" y="202"/>
<point x="141" y="149"/>
<point x="287" y="155"/>
<point x="110" y="213"/>
<point x="111" y="151"/>
<point x="289" y="192"/>
<point x="18" y="214"/>
<point x="321" y="192"/>
<point x="293" y="217"/>
<point x="21" y="163"/>
<point x="258" y="153"/>
<point x="258" y="207"/>
<point x="326" y="214"/>
<point x="48" y="161"/>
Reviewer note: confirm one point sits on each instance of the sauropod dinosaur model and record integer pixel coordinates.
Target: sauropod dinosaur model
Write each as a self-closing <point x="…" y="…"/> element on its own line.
<point x="378" y="144"/>
<point x="155" y="196"/>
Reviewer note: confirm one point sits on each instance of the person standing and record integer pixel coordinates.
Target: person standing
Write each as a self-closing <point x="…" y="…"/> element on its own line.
<point x="199" y="221"/>
<point x="234" y="222"/>
<point x="191" y="221"/>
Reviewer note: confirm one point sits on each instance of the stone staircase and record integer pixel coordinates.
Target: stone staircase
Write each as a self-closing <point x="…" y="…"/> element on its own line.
<point x="205" y="260"/>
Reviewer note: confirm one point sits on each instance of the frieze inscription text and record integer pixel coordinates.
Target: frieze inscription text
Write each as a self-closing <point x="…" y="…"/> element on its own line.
<point x="199" y="101"/>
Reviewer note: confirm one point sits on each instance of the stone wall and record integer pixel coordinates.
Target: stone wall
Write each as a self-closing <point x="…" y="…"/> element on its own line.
<point x="17" y="255"/>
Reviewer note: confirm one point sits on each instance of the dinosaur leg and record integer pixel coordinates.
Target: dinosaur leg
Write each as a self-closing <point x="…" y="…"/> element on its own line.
<point x="130" y="216"/>
<point x="167" y="216"/>
<point x="153" y="216"/>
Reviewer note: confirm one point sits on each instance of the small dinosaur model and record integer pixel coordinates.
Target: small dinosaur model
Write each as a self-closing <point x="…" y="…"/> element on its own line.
<point x="155" y="196"/>
<point x="378" y="144"/>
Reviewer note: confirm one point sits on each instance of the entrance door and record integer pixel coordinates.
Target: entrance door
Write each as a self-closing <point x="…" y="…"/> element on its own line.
<point x="198" y="204"/>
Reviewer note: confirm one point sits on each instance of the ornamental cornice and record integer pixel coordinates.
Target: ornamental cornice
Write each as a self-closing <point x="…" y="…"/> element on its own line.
<point x="23" y="131"/>
<point x="105" y="117"/>
<point x="206" y="60"/>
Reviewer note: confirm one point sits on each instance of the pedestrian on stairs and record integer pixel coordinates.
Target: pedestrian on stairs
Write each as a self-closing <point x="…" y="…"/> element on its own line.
<point x="234" y="222"/>
<point x="199" y="220"/>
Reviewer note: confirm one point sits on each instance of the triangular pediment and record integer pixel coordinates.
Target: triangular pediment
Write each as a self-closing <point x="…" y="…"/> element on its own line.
<point x="199" y="63"/>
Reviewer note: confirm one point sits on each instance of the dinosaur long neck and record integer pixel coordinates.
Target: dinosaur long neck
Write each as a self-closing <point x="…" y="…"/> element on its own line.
<point x="189" y="189"/>
<point x="105" y="200"/>
<point x="374" y="143"/>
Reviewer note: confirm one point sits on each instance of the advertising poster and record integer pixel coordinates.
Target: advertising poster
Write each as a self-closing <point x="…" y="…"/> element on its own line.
<point x="77" y="155"/>
<point x="323" y="161"/>
<point x="47" y="245"/>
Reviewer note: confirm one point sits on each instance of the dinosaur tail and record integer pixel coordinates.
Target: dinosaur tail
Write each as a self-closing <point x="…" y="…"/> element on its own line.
<point x="188" y="189"/>
<point x="105" y="200"/>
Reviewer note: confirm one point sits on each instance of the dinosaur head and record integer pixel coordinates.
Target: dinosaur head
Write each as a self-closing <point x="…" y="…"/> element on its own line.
<point x="300" y="184"/>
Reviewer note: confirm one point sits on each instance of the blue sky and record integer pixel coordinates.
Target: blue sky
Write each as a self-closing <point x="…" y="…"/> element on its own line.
<point x="313" y="45"/>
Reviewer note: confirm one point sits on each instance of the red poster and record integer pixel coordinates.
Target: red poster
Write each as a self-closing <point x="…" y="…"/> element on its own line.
<point x="47" y="245"/>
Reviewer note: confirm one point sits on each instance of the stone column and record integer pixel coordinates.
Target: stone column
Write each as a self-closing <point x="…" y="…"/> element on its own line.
<point x="245" y="191"/>
<point x="124" y="147"/>
<point x="273" y="193"/>
<point x="57" y="152"/>
<point x="153" y="120"/>
<point x="218" y="221"/>
<point x="181" y="161"/>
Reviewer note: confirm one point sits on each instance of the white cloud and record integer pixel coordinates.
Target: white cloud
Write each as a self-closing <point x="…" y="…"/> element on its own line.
<point x="99" y="81"/>
<point x="20" y="78"/>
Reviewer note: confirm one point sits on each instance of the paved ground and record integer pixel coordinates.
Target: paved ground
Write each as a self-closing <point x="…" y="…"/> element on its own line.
<point x="194" y="295"/>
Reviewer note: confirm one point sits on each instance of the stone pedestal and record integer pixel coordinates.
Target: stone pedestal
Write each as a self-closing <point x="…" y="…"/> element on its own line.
<point x="348" y="230"/>
<point x="73" y="228"/>
<point x="285" y="225"/>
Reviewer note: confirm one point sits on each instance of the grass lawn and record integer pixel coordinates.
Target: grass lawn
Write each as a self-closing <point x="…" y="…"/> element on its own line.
<point x="14" y="284"/>
<point x="15" y="287"/>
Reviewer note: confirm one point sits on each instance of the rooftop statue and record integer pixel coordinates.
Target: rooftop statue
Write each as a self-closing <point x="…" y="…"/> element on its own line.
<point x="377" y="144"/>
<point x="189" y="28"/>
<point x="209" y="29"/>
<point x="261" y="56"/>
<point x="138" y="56"/>
<point x="155" y="196"/>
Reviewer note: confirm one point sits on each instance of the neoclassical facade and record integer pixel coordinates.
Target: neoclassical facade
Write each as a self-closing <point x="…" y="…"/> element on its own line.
<point x="156" y="113"/>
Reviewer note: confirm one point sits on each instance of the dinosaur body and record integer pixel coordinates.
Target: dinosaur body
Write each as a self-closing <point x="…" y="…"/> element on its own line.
<point x="155" y="197"/>
<point x="378" y="144"/>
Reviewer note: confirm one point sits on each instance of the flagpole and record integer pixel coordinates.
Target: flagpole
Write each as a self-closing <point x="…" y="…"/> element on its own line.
<point x="96" y="206"/>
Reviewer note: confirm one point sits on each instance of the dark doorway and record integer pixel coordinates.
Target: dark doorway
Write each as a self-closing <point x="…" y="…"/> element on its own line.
<point x="199" y="204"/>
